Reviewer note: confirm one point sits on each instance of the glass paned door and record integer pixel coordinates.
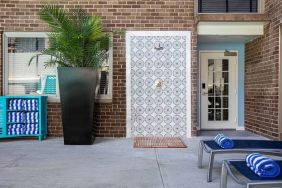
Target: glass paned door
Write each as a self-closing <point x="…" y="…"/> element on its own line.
<point x="218" y="91"/>
<point x="218" y="87"/>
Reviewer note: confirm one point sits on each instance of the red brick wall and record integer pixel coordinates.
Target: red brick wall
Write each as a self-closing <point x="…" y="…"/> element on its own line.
<point x="262" y="77"/>
<point x="20" y="15"/>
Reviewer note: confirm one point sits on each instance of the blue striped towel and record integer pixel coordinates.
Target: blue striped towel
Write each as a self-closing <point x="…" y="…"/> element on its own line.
<point x="31" y="132"/>
<point x="32" y="126"/>
<point x="262" y="165"/>
<point x="224" y="141"/>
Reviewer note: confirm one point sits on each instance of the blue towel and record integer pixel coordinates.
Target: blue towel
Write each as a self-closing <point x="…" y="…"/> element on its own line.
<point x="224" y="141"/>
<point x="31" y="132"/>
<point x="262" y="165"/>
<point x="32" y="126"/>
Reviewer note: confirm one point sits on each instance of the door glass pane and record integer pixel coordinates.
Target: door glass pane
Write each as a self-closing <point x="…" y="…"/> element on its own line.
<point x="211" y="102"/>
<point x="218" y="102"/>
<point x="225" y="65"/>
<point x="218" y="89"/>
<point x="211" y="64"/>
<point x="225" y="77"/>
<point x="211" y="115"/>
<point x="218" y="115"/>
<point x="225" y="89"/>
<point x="211" y="90"/>
<point x="225" y="114"/>
<point x="225" y="102"/>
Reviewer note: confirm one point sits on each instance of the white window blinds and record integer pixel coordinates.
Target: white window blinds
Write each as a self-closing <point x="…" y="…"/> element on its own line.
<point x="20" y="78"/>
<point x="228" y="6"/>
<point x="25" y="79"/>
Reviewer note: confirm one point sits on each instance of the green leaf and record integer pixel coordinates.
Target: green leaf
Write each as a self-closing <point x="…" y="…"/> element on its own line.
<point x="76" y="39"/>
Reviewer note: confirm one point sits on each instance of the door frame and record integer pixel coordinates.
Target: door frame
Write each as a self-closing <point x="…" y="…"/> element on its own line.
<point x="236" y="84"/>
<point x="188" y="74"/>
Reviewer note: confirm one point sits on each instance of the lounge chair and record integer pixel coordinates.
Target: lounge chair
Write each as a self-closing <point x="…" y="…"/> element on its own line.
<point x="250" y="178"/>
<point x="241" y="146"/>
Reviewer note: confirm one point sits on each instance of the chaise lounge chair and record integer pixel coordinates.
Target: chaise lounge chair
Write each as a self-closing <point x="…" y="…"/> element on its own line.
<point x="241" y="146"/>
<point x="250" y="178"/>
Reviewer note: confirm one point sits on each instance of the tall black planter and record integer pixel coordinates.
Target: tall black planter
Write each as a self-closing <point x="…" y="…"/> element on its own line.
<point x="77" y="93"/>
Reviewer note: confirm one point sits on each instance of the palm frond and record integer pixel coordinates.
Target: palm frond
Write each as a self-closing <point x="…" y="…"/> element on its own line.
<point x="77" y="40"/>
<point x="55" y="17"/>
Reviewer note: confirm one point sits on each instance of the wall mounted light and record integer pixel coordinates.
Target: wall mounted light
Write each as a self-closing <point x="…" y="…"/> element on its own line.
<point x="228" y="53"/>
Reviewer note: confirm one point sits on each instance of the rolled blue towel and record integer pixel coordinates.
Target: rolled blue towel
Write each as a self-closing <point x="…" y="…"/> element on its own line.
<point x="34" y="104"/>
<point x="28" y="117"/>
<point x="27" y="104"/>
<point x="19" y="104"/>
<point x="11" y="104"/>
<point x="224" y="141"/>
<point x="32" y="125"/>
<point x="250" y="158"/>
<point x="262" y="165"/>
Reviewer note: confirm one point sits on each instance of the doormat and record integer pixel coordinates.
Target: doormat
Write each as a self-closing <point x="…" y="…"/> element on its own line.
<point x="158" y="142"/>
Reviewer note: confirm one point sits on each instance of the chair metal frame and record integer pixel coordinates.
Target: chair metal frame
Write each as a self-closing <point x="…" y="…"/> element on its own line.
<point x="213" y="152"/>
<point x="225" y="170"/>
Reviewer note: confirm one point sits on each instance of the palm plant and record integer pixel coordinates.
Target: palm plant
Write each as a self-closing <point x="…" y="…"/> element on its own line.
<point x="76" y="39"/>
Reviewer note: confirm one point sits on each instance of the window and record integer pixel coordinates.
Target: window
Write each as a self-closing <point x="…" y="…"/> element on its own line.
<point x="20" y="78"/>
<point x="104" y="88"/>
<point x="228" y="6"/>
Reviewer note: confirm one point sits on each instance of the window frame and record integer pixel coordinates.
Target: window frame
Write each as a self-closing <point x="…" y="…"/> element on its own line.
<point x="107" y="98"/>
<point x="102" y="98"/>
<point x="260" y="9"/>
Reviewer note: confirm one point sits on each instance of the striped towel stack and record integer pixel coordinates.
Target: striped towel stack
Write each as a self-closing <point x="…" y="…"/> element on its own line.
<point x="16" y="117"/>
<point x="262" y="166"/>
<point x="16" y="104"/>
<point x="31" y="129"/>
<point x="15" y="129"/>
<point x="32" y="117"/>
<point x="224" y="141"/>
<point x="31" y="105"/>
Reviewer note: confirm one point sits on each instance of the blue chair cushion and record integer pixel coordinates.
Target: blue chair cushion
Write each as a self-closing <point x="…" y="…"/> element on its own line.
<point x="242" y="167"/>
<point x="248" y="144"/>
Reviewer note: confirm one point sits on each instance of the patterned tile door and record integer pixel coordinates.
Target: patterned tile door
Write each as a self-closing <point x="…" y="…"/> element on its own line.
<point x="158" y="80"/>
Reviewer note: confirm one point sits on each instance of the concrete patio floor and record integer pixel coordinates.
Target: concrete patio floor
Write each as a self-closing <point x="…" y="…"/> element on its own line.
<point x="106" y="164"/>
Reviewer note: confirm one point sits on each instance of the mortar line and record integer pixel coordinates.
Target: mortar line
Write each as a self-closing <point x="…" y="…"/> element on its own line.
<point x="159" y="167"/>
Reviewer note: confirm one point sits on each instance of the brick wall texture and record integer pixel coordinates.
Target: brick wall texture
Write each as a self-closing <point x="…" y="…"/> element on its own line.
<point x="262" y="77"/>
<point x="110" y="118"/>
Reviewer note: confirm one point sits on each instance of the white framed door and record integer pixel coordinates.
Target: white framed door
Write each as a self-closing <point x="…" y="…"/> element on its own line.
<point x="218" y="90"/>
<point x="158" y="83"/>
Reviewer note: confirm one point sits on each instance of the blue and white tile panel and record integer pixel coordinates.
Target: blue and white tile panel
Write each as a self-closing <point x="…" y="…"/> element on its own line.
<point x="158" y="111"/>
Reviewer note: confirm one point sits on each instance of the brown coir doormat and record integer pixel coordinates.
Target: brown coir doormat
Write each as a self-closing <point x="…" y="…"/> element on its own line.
<point x="158" y="142"/>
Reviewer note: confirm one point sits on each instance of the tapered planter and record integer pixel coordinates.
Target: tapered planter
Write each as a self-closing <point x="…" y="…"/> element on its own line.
<point x="77" y="93"/>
